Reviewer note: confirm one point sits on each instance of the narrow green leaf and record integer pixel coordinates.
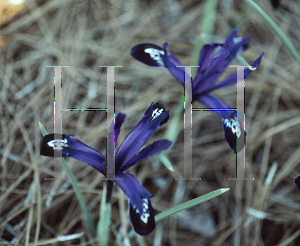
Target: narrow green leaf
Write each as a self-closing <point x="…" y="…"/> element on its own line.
<point x="276" y="29"/>
<point x="78" y="192"/>
<point x="186" y="205"/>
<point x="43" y="130"/>
<point x="104" y="221"/>
<point x="190" y="204"/>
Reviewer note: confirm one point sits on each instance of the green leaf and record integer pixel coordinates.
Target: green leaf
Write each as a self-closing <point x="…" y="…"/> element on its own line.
<point x="43" y="130"/>
<point x="276" y="29"/>
<point x="78" y="192"/>
<point x="190" y="204"/>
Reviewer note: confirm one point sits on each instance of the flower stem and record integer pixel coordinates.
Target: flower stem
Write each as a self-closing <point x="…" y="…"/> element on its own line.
<point x="103" y="227"/>
<point x="109" y="190"/>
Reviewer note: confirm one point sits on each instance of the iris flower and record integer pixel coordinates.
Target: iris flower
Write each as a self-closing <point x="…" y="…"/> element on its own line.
<point x="128" y="154"/>
<point x="211" y="68"/>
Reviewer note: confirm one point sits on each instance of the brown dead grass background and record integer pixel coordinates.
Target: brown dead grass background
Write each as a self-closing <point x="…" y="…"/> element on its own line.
<point x="87" y="34"/>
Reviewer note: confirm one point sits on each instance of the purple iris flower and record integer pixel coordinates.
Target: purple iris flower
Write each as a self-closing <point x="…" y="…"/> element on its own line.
<point x="128" y="154"/>
<point x="211" y="68"/>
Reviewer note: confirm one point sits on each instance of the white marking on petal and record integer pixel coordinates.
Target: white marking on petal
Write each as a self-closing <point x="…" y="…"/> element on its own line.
<point x="156" y="113"/>
<point x="58" y="144"/>
<point x="155" y="54"/>
<point x="234" y="125"/>
<point x="252" y="68"/>
<point x="145" y="214"/>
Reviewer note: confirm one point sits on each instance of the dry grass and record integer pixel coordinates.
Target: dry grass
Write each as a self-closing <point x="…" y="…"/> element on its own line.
<point x="87" y="34"/>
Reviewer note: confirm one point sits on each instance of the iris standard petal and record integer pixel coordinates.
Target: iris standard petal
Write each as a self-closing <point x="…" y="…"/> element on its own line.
<point x="118" y="123"/>
<point x="205" y="55"/>
<point x="232" y="79"/>
<point x="151" y="150"/>
<point x="229" y="39"/>
<point x="70" y="146"/>
<point x="124" y="148"/>
<point x="150" y="54"/>
<point x="232" y="129"/>
<point x="153" y="119"/>
<point x="241" y="44"/>
<point x="213" y="71"/>
<point x="235" y="45"/>
<point x="214" y="103"/>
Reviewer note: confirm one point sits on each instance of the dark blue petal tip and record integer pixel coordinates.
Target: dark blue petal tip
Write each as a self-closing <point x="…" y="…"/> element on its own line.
<point x="143" y="221"/>
<point x="232" y="132"/>
<point x="50" y="145"/>
<point x="297" y="182"/>
<point x="150" y="54"/>
<point x="158" y="109"/>
<point x="275" y="4"/>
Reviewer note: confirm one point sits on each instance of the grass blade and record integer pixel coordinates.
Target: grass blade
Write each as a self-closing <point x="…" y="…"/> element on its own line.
<point x="190" y="204"/>
<point x="276" y="29"/>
